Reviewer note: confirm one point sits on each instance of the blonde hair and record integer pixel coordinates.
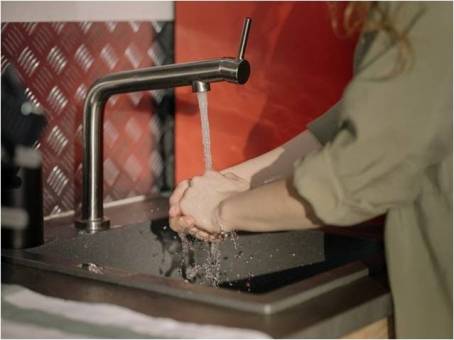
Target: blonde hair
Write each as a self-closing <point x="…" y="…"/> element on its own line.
<point x="368" y="16"/>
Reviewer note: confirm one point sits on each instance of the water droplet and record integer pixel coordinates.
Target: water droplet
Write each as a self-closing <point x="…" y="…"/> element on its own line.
<point x="239" y="254"/>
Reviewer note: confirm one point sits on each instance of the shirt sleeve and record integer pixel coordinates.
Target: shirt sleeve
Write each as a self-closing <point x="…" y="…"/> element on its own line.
<point x="325" y="127"/>
<point x="390" y="130"/>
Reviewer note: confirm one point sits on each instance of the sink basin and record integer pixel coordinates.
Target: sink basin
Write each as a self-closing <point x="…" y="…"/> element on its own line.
<point x="153" y="248"/>
<point x="260" y="273"/>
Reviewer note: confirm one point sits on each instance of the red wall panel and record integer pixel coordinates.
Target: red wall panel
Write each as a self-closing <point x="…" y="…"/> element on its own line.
<point x="299" y="69"/>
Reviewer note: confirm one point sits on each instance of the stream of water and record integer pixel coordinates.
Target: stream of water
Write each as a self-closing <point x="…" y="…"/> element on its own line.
<point x="213" y="267"/>
<point x="210" y="270"/>
<point x="205" y="124"/>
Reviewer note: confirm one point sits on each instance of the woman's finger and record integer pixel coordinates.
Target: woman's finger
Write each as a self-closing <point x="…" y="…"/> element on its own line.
<point x="200" y="234"/>
<point x="181" y="224"/>
<point x="175" y="198"/>
<point x="178" y="192"/>
<point x="186" y="224"/>
<point x="175" y="225"/>
<point x="187" y="221"/>
<point x="203" y="235"/>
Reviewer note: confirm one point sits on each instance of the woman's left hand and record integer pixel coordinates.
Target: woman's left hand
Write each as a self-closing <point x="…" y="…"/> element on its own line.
<point x="203" y="196"/>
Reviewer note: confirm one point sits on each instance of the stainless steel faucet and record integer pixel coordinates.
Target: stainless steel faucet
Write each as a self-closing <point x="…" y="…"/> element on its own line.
<point x="198" y="74"/>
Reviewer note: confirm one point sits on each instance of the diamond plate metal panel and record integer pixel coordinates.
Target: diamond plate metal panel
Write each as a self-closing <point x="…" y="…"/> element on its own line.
<point x="58" y="62"/>
<point x="56" y="140"/>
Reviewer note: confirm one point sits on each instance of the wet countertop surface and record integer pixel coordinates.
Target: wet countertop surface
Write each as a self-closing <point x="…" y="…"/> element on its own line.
<point x="333" y="314"/>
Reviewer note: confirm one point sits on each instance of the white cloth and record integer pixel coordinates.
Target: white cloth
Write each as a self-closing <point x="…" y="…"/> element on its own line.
<point x="27" y="314"/>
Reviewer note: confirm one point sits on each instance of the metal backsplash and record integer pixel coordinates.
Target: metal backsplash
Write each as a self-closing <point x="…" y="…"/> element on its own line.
<point x="57" y="63"/>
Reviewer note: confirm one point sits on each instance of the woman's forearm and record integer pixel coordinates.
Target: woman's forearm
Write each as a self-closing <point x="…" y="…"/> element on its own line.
<point x="277" y="163"/>
<point x="271" y="207"/>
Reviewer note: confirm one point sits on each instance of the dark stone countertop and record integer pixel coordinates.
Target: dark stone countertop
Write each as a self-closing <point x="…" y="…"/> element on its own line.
<point x="332" y="314"/>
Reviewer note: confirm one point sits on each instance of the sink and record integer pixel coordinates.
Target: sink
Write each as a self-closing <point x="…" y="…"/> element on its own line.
<point x="153" y="248"/>
<point x="259" y="273"/>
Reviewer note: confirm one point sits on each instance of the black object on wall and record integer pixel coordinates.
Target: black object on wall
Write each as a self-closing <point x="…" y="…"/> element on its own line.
<point x="22" y="199"/>
<point x="165" y="110"/>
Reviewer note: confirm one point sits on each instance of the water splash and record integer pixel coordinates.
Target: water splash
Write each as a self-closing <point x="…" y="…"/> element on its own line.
<point x="235" y="240"/>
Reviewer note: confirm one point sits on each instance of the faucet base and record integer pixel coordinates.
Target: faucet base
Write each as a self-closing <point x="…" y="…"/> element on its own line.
<point x="92" y="226"/>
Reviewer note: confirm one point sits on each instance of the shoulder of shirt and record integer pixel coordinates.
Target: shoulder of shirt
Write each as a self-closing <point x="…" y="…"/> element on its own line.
<point x="409" y="19"/>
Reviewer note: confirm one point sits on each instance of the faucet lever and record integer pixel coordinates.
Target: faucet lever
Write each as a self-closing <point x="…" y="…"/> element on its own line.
<point x="244" y="37"/>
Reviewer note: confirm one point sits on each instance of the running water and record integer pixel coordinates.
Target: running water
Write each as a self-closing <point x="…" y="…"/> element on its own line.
<point x="209" y="272"/>
<point x="205" y="123"/>
<point x="213" y="267"/>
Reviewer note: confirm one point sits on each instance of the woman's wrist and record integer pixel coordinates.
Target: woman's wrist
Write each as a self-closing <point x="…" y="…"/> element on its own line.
<point x="219" y="218"/>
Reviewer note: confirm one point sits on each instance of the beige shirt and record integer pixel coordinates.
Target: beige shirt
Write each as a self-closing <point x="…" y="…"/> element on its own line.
<point x="388" y="149"/>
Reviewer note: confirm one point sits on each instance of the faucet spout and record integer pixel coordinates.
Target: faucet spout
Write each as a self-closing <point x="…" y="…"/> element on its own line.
<point x="200" y="86"/>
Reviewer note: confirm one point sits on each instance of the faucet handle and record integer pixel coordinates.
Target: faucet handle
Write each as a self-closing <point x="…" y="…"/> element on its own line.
<point x="244" y="37"/>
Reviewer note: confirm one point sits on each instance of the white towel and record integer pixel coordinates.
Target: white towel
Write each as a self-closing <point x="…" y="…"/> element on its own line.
<point x="27" y="314"/>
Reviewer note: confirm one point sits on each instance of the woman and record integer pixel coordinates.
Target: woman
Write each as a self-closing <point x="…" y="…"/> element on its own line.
<point x="385" y="148"/>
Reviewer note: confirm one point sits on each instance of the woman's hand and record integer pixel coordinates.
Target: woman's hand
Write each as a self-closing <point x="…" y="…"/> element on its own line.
<point x="186" y="225"/>
<point x="196" y="200"/>
<point x="205" y="193"/>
